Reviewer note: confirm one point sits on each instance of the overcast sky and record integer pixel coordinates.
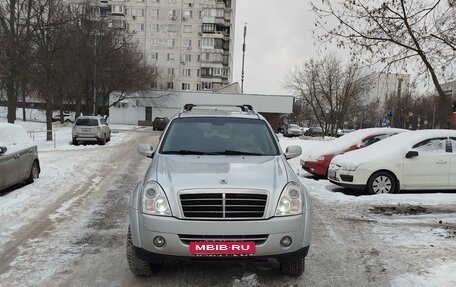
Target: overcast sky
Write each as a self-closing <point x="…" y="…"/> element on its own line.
<point x="279" y="36"/>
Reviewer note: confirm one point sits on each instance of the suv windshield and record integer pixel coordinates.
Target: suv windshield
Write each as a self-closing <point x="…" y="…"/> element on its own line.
<point x="218" y="136"/>
<point x="86" y="122"/>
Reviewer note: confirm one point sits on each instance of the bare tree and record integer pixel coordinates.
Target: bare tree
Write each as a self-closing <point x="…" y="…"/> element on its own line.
<point x="331" y="90"/>
<point x="395" y="33"/>
<point x="49" y="42"/>
<point x="15" y="20"/>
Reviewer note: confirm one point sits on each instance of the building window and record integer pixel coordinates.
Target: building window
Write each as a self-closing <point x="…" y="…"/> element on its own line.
<point x="154" y="27"/>
<point x="216" y="72"/>
<point x="155" y="13"/>
<point x="139" y="27"/>
<point x="206" y="86"/>
<point x="170" y="85"/>
<point x="153" y="56"/>
<point x="172" y="14"/>
<point x="170" y="71"/>
<point x="208" y="42"/>
<point x="187" y="43"/>
<point x="170" y="43"/>
<point x="205" y="72"/>
<point x="170" y="57"/>
<point x="186" y="72"/>
<point x="154" y="42"/>
<point x="188" y="1"/>
<point x="205" y="56"/>
<point x="186" y="57"/>
<point x="154" y="70"/>
<point x="171" y="27"/>
<point x="188" y="14"/>
<point x="224" y="73"/>
<point x="185" y="86"/>
<point x="118" y="9"/>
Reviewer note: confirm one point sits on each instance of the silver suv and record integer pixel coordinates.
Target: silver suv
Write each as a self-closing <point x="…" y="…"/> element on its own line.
<point x="218" y="187"/>
<point x="91" y="128"/>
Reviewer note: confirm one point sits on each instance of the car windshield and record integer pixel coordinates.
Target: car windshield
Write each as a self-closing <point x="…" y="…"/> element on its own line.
<point x="219" y="136"/>
<point x="86" y="122"/>
<point x="294" y="126"/>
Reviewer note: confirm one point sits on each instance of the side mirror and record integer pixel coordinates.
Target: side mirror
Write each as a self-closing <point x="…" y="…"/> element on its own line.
<point x="2" y="149"/>
<point x="411" y="154"/>
<point x="146" y="150"/>
<point x="293" y="151"/>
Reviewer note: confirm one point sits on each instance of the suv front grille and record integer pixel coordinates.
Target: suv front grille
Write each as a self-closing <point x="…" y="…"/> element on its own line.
<point x="223" y="205"/>
<point x="258" y="238"/>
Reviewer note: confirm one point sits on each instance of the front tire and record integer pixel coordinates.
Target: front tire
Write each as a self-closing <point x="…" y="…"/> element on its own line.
<point x="102" y="141"/>
<point x="293" y="266"/>
<point x="138" y="266"/>
<point x="34" y="172"/>
<point x="381" y="182"/>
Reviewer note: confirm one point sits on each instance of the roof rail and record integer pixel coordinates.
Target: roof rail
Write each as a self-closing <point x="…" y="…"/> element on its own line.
<point x="244" y="108"/>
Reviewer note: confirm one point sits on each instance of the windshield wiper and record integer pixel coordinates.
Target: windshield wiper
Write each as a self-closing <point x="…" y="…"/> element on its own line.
<point x="237" y="152"/>
<point x="184" y="151"/>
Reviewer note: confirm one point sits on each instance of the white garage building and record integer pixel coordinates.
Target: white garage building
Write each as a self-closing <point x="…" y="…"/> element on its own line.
<point x="142" y="108"/>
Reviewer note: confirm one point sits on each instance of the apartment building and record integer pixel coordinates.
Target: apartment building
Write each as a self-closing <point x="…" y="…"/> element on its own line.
<point x="386" y="85"/>
<point x="189" y="42"/>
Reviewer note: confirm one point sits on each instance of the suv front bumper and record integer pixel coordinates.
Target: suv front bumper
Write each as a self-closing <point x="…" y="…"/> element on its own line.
<point x="145" y="228"/>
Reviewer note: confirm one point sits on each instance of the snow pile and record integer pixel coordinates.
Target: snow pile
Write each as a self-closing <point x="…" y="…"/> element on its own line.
<point x="13" y="137"/>
<point x="440" y="276"/>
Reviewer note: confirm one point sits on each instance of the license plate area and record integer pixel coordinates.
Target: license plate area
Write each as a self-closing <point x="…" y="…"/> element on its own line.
<point x="222" y="248"/>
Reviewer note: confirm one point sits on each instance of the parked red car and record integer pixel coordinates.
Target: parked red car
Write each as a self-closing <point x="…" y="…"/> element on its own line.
<point x="316" y="160"/>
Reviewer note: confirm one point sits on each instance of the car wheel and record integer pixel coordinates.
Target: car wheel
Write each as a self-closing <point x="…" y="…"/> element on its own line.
<point x="102" y="141"/>
<point x="293" y="266"/>
<point x="34" y="172"/>
<point x="138" y="266"/>
<point x="75" y="141"/>
<point x="381" y="182"/>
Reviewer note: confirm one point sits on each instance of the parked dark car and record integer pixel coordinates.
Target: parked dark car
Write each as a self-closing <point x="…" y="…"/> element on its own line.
<point x="314" y="132"/>
<point x="18" y="156"/>
<point x="160" y="123"/>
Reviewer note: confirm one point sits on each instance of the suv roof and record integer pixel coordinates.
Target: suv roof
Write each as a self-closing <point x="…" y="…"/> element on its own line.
<point x="241" y="111"/>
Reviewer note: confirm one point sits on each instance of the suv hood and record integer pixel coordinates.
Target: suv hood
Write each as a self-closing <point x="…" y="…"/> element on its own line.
<point x="178" y="172"/>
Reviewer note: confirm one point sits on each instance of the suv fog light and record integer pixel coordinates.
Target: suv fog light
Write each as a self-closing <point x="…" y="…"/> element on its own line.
<point x="286" y="241"/>
<point x="159" y="241"/>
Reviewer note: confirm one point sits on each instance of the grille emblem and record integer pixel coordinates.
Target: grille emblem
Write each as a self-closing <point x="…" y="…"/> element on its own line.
<point x="223" y="181"/>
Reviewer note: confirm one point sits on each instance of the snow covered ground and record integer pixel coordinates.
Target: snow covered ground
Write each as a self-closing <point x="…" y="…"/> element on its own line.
<point x="61" y="165"/>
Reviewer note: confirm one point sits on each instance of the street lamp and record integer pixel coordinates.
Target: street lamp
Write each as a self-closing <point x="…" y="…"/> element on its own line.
<point x="95" y="77"/>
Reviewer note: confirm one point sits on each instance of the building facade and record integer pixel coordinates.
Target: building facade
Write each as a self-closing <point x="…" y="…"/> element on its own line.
<point x="449" y="88"/>
<point x="142" y="108"/>
<point x="386" y="85"/>
<point x="189" y="42"/>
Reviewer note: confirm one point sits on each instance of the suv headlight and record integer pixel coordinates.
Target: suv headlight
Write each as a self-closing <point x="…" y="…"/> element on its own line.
<point x="154" y="201"/>
<point x="290" y="201"/>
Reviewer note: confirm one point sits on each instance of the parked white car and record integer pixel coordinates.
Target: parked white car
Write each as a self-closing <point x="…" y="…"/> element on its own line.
<point x="418" y="160"/>
<point x="18" y="156"/>
<point x="92" y="129"/>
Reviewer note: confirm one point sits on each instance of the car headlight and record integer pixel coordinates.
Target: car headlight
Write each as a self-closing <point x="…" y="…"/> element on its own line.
<point x="349" y="167"/>
<point x="290" y="201"/>
<point x="154" y="201"/>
